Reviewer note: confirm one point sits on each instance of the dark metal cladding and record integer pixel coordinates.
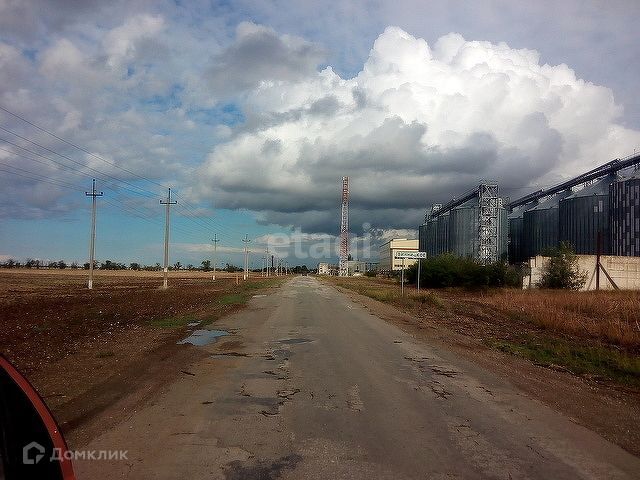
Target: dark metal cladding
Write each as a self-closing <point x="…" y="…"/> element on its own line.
<point x="463" y="230"/>
<point x="503" y="233"/>
<point x="541" y="226"/>
<point x="431" y="237"/>
<point x="585" y="213"/>
<point x="624" y="210"/>
<point x="442" y="234"/>
<point x="422" y="238"/>
<point x="516" y="233"/>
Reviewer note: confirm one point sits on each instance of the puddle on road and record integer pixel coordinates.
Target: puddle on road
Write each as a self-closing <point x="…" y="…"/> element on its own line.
<point x="193" y="324"/>
<point x="293" y="341"/>
<point x="200" y="338"/>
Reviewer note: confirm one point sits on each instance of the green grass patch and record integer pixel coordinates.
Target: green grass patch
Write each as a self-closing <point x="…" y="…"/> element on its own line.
<point x="171" y="322"/>
<point x="600" y="361"/>
<point x="233" y="299"/>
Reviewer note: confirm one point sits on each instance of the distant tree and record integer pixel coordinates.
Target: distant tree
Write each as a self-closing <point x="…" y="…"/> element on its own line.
<point x="61" y="265"/>
<point x="86" y="266"/>
<point x="107" y="265"/>
<point x="10" y="263"/>
<point x="561" y="270"/>
<point x="206" y="265"/>
<point x="232" y="268"/>
<point x="32" y="263"/>
<point x="177" y="266"/>
<point x="134" y="266"/>
<point x="190" y="267"/>
<point x="52" y="265"/>
<point x="75" y="265"/>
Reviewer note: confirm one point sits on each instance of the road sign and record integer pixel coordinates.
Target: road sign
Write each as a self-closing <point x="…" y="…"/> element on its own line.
<point x="411" y="254"/>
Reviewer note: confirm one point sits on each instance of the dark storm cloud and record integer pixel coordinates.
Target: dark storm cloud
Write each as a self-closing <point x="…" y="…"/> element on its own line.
<point x="258" y="55"/>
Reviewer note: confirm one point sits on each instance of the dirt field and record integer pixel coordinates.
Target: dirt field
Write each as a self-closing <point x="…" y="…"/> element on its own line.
<point x="84" y="349"/>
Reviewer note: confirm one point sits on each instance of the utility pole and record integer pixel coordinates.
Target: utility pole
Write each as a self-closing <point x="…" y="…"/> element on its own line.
<point x="92" y="242"/>
<point x="246" y="241"/>
<point x="215" y="253"/>
<point x="168" y="204"/>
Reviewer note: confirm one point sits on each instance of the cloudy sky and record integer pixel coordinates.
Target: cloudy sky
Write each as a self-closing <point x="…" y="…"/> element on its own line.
<point x="252" y="111"/>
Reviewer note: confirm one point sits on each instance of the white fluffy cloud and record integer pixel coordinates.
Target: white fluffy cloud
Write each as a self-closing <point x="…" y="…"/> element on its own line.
<point x="417" y="124"/>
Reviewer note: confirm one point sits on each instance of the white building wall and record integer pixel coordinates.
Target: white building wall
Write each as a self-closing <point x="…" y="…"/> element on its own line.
<point x="624" y="271"/>
<point x="387" y="252"/>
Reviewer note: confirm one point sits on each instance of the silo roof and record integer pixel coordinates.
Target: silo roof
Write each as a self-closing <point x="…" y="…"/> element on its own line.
<point x="553" y="201"/>
<point x="599" y="187"/>
<point x="518" y="212"/>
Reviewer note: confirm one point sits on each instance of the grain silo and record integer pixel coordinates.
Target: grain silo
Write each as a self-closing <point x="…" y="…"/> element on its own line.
<point x="463" y="229"/>
<point x="624" y="208"/>
<point x="442" y="233"/>
<point x="541" y="225"/>
<point x="584" y="215"/>
<point x="473" y="225"/>
<point x="515" y="222"/>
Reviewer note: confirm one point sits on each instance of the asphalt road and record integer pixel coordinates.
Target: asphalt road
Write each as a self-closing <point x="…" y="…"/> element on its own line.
<point x="312" y="385"/>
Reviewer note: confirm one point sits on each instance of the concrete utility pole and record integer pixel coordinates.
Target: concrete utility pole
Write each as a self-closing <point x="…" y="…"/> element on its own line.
<point x="168" y="204"/>
<point x="246" y="241"/>
<point x="215" y="253"/>
<point x="266" y="261"/>
<point x="92" y="242"/>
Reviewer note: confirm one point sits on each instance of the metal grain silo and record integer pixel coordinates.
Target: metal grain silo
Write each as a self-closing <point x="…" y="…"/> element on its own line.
<point x="585" y="213"/>
<point x="624" y="208"/>
<point x="442" y="234"/>
<point x="463" y="229"/>
<point x="503" y="232"/>
<point x="515" y="221"/>
<point x="541" y="225"/>
<point x="431" y="237"/>
<point x="422" y="238"/>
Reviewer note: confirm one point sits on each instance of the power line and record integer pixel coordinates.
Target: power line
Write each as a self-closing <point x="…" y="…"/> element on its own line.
<point x="42" y="129"/>
<point x="66" y="157"/>
<point x="189" y="209"/>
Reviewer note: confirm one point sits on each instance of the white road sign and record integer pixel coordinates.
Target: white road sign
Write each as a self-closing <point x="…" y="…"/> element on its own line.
<point x="412" y="254"/>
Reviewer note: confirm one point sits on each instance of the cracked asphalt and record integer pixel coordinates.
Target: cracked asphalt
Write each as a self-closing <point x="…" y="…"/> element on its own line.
<point x="312" y="385"/>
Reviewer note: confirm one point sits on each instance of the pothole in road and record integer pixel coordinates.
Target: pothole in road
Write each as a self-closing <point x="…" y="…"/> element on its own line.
<point x="200" y="338"/>
<point x="293" y="341"/>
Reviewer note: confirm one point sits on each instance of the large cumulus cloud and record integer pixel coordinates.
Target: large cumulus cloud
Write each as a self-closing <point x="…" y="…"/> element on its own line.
<point x="417" y="124"/>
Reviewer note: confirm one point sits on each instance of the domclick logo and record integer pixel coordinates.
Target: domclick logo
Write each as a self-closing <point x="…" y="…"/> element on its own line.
<point x="32" y="453"/>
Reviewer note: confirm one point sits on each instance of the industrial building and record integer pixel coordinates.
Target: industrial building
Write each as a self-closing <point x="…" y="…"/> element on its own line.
<point x="388" y="262"/>
<point x="474" y="225"/>
<point x="596" y="212"/>
<point x="325" y="268"/>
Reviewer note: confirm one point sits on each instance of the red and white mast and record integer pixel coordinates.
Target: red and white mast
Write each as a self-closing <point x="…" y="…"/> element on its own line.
<point x="344" y="229"/>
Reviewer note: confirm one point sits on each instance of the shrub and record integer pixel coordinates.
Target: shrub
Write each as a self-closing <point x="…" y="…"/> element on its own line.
<point x="561" y="270"/>
<point x="451" y="271"/>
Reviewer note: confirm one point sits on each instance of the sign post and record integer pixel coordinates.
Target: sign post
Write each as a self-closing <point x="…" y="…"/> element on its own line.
<point x="413" y="255"/>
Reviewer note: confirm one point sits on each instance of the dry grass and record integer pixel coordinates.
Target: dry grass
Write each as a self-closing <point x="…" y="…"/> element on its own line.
<point x="613" y="317"/>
